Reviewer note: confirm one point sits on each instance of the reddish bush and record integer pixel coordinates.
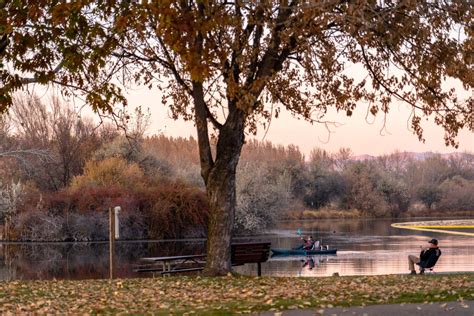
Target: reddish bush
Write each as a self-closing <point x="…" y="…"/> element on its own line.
<point x="173" y="209"/>
<point x="156" y="210"/>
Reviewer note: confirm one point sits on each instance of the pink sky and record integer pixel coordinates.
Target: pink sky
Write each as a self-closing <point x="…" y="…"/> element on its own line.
<point x="355" y="132"/>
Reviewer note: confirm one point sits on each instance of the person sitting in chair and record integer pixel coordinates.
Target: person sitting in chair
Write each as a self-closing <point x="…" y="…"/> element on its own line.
<point x="428" y="257"/>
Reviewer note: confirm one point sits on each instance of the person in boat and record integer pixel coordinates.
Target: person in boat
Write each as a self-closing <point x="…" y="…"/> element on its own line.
<point x="428" y="256"/>
<point x="317" y="245"/>
<point x="308" y="244"/>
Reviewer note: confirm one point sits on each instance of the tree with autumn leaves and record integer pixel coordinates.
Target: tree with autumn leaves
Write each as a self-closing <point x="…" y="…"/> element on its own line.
<point x="232" y="65"/>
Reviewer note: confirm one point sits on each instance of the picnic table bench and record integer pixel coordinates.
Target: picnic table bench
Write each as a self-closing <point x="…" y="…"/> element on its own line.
<point x="241" y="253"/>
<point x="171" y="264"/>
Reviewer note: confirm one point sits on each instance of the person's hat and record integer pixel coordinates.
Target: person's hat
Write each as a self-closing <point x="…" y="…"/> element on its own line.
<point x="433" y="241"/>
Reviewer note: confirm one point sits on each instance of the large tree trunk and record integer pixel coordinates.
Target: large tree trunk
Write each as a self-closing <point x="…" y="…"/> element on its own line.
<point x="221" y="195"/>
<point x="219" y="177"/>
<point x="221" y="192"/>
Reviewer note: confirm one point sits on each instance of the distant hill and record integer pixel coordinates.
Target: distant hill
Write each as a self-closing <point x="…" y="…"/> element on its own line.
<point x="414" y="155"/>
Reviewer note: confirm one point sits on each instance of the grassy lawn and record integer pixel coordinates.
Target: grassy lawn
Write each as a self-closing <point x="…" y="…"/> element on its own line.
<point x="232" y="294"/>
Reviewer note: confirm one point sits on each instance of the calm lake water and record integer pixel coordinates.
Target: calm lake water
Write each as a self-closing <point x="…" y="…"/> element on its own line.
<point x="365" y="247"/>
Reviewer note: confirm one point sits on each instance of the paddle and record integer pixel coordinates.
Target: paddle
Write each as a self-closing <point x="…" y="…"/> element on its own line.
<point x="298" y="232"/>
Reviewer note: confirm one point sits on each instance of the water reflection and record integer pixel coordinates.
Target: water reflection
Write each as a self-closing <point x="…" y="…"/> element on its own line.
<point x="368" y="247"/>
<point x="82" y="260"/>
<point x="365" y="247"/>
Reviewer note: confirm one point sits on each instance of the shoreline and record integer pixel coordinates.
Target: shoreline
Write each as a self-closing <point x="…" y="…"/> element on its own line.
<point x="356" y="214"/>
<point x="326" y="215"/>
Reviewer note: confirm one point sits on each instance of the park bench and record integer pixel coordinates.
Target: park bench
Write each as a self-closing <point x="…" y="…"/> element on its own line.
<point x="241" y="253"/>
<point x="251" y="252"/>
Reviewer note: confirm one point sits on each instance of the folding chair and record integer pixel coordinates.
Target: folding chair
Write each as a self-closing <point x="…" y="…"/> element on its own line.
<point x="428" y="266"/>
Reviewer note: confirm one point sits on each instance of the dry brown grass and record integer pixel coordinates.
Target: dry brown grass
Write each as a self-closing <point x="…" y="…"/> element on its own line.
<point x="331" y="213"/>
<point x="324" y="213"/>
<point x="438" y="213"/>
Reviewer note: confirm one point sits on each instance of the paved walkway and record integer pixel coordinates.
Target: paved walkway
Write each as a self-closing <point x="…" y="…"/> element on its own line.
<point x="465" y="308"/>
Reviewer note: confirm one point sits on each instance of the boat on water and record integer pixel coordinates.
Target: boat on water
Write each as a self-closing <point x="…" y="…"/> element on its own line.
<point x="302" y="252"/>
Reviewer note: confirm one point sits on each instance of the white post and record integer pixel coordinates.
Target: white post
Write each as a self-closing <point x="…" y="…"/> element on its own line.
<point x="111" y="243"/>
<point x="117" y="210"/>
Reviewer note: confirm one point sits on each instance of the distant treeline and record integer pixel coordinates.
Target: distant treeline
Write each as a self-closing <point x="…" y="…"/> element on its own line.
<point x="59" y="173"/>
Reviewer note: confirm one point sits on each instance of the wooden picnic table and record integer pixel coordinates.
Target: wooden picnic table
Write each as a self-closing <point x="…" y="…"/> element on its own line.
<point x="241" y="253"/>
<point x="172" y="264"/>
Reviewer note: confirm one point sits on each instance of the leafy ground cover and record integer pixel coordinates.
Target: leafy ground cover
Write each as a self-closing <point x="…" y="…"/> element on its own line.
<point x="232" y="294"/>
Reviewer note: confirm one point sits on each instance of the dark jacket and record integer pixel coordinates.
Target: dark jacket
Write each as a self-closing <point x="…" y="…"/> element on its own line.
<point x="307" y="244"/>
<point x="429" y="257"/>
